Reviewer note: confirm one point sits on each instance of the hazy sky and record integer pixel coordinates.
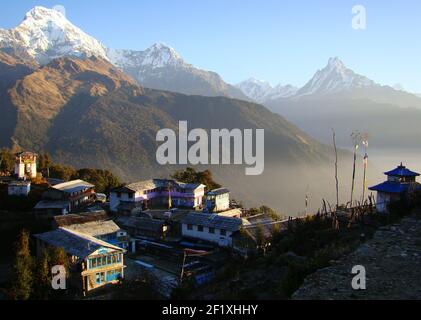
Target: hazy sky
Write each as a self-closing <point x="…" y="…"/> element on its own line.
<point x="274" y="40"/>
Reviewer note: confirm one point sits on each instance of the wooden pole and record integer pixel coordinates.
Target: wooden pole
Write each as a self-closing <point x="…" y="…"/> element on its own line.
<point x="356" y="138"/>
<point x="336" y="169"/>
<point x="353" y="175"/>
<point x="182" y="268"/>
<point x="365" y="142"/>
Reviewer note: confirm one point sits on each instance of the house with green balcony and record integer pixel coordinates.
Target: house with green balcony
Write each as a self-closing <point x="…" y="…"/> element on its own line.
<point x="94" y="263"/>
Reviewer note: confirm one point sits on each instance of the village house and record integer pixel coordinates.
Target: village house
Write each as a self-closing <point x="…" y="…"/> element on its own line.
<point x="152" y="229"/>
<point x="210" y="227"/>
<point x="156" y="193"/>
<point x="232" y="213"/>
<point x="95" y="224"/>
<point x="80" y="218"/>
<point x="256" y="233"/>
<point x="51" y="208"/>
<point x="66" y="197"/>
<point x="217" y="200"/>
<point x="93" y="263"/>
<point x="26" y="165"/>
<point x="19" y="188"/>
<point x="400" y="182"/>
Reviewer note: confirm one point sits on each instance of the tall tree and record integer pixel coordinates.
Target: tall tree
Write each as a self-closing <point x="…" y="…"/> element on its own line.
<point x="103" y="180"/>
<point x="23" y="269"/>
<point x="7" y="160"/>
<point x="44" y="164"/>
<point x="190" y="175"/>
<point x="43" y="276"/>
<point x="58" y="257"/>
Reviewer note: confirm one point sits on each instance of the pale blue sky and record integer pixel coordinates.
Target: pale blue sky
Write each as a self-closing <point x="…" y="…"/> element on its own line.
<point x="274" y="40"/>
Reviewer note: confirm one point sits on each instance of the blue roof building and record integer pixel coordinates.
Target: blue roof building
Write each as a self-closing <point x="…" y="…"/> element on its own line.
<point x="399" y="182"/>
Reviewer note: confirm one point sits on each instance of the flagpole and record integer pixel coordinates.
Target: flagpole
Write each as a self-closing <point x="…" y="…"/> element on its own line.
<point x="365" y="142"/>
<point x="355" y="136"/>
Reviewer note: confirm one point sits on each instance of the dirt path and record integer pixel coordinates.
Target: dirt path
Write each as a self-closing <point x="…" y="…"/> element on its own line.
<point x="392" y="260"/>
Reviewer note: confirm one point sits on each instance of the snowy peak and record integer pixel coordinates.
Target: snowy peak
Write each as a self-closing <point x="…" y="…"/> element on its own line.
<point x="157" y="56"/>
<point x="336" y="64"/>
<point x="41" y="13"/>
<point x="262" y="91"/>
<point x="255" y="89"/>
<point x="161" y="55"/>
<point x="46" y="34"/>
<point x="335" y="78"/>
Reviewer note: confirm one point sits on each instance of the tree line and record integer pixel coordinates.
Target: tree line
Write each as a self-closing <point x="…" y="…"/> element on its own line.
<point x="31" y="277"/>
<point x="104" y="180"/>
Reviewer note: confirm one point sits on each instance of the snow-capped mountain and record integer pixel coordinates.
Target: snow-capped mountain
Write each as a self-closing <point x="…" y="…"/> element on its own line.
<point x="335" y="78"/>
<point x="157" y="56"/>
<point x="255" y="89"/>
<point x="263" y="91"/>
<point x="46" y="34"/>
<point x="161" y="67"/>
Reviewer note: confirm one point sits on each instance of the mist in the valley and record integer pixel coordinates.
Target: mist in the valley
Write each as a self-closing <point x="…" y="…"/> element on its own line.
<point x="284" y="187"/>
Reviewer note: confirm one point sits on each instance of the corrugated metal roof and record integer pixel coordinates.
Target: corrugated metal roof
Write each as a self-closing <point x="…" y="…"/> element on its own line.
<point x="20" y="183"/>
<point x="156" y="183"/>
<point x="75" y="243"/>
<point x="218" y="191"/>
<point x="52" y="204"/>
<point x="402" y="171"/>
<point x="141" y="223"/>
<point x="73" y="186"/>
<point x="212" y="221"/>
<point x="392" y="187"/>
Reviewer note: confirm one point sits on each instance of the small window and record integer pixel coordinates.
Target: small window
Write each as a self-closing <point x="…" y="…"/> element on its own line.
<point x="211" y="230"/>
<point x="118" y="194"/>
<point x="223" y="232"/>
<point x="189" y="227"/>
<point x="131" y="195"/>
<point x="114" y="258"/>
<point x="200" y="228"/>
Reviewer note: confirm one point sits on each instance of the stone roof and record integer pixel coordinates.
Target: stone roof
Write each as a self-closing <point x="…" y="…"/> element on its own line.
<point x="95" y="228"/>
<point x="70" y="219"/>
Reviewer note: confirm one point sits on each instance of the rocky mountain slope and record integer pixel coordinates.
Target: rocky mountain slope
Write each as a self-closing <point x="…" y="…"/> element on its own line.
<point x="337" y="97"/>
<point x="87" y="113"/>
<point x="161" y="67"/>
<point x="46" y="34"/>
<point x="392" y="262"/>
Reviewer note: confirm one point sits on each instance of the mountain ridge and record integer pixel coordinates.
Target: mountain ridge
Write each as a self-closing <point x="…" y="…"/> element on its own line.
<point x="87" y="112"/>
<point x="46" y="34"/>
